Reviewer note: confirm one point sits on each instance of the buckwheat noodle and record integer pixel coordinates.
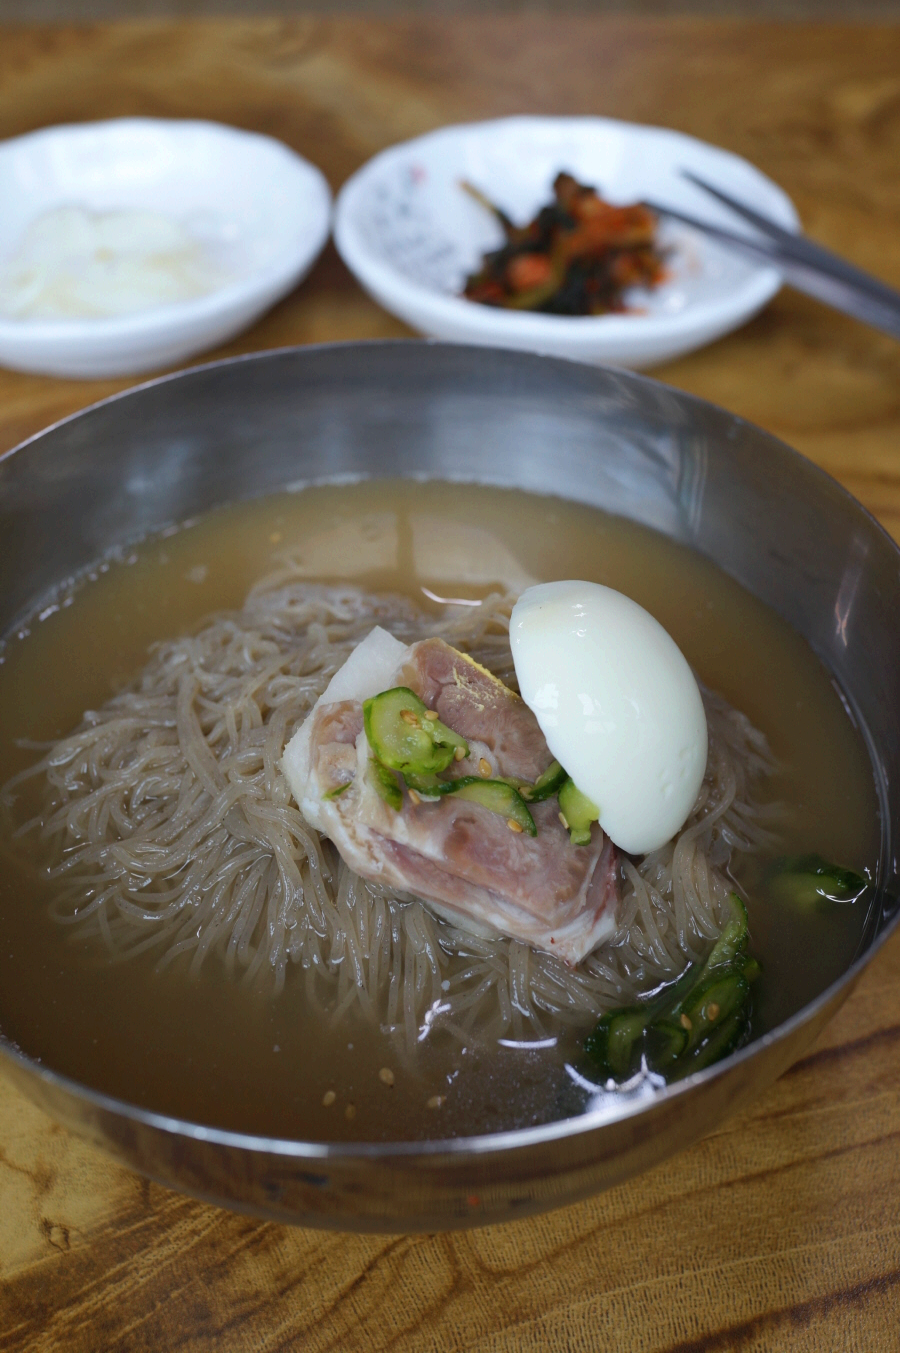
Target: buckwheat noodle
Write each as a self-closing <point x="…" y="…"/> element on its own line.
<point x="166" y="824"/>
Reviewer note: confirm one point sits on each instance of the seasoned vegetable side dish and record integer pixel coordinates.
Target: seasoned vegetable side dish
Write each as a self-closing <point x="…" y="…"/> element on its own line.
<point x="494" y="841"/>
<point x="580" y="255"/>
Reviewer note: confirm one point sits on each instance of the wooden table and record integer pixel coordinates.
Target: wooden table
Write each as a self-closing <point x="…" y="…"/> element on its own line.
<point x="781" y="1230"/>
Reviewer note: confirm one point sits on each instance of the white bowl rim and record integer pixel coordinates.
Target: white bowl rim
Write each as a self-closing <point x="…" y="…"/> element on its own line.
<point x="265" y="280"/>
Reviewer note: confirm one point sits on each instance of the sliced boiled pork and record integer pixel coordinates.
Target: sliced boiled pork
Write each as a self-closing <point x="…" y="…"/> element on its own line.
<point x="474" y="866"/>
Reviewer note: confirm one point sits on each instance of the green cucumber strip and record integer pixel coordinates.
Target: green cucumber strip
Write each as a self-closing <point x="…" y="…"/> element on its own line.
<point x="658" y="1024"/>
<point x="497" y="796"/>
<point x="546" y="785"/>
<point x="733" y="939"/>
<point x="699" y="1018"/>
<point x="713" y="1002"/>
<point x="667" y="1004"/>
<point x="385" y="784"/>
<point x="752" y="969"/>
<point x="611" y="1042"/>
<point x="578" y="811"/>
<point x="810" y="881"/>
<point x="727" y="1035"/>
<point x="412" y="743"/>
<point x="624" y="1030"/>
<point x="666" y="1041"/>
<point x="429" y="786"/>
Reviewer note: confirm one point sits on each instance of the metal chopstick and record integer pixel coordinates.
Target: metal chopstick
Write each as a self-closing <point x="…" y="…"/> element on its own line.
<point x="806" y="266"/>
<point x="798" y="246"/>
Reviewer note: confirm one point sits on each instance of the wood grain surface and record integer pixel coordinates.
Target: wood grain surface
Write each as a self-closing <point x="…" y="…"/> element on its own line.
<point x="780" y="1231"/>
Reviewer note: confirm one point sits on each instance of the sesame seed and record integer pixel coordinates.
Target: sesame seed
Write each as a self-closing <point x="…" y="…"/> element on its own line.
<point x="386" y="1076"/>
<point x="685" y="1022"/>
<point x="431" y="714"/>
<point x="436" y="1101"/>
<point x="459" y="754"/>
<point x="350" y="1112"/>
<point x="562" y="818"/>
<point x="409" y="717"/>
<point x="414" y="796"/>
<point x="513" y="825"/>
<point x="712" y="1011"/>
<point x="328" y="1098"/>
<point x="484" y="768"/>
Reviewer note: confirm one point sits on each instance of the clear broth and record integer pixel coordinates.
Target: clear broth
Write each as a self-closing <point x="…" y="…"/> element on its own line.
<point x="210" y="1050"/>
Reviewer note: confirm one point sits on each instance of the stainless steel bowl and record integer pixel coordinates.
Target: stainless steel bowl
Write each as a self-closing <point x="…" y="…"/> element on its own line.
<point x="781" y="527"/>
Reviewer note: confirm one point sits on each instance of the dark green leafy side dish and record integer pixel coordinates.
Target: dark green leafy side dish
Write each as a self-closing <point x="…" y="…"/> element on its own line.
<point x="580" y="255"/>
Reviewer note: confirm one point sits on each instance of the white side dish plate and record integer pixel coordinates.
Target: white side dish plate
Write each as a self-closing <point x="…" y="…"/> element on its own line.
<point x="258" y="210"/>
<point x="411" y="235"/>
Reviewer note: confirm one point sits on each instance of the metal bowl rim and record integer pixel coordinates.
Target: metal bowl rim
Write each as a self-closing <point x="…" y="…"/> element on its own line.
<point x="514" y="1138"/>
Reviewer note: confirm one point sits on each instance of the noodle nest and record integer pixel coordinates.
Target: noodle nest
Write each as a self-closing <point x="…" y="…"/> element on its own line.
<point x="169" y="826"/>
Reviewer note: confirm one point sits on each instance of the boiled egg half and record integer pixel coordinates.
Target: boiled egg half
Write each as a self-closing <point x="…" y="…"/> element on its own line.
<point x="618" y="704"/>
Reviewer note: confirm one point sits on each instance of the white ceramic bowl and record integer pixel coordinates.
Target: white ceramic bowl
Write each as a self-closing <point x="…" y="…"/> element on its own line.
<point x="411" y="236"/>
<point x="251" y="197"/>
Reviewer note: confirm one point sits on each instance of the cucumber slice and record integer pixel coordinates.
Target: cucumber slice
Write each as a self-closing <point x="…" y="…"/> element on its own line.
<point x="726" y="1037"/>
<point x="752" y="969"/>
<point x="611" y="1042"/>
<point x="546" y="785"/>
<point x="403" y="738"/>
<point x="499" y="796"/>
<point x="579" y="813"/>
<point x="495" y="795"/>
<point x="733" y="939"/>
<point x="713" y="1002"/>
<point x="810" y="881"/>
<point x="666" y="1040"/>
<point x="385" y="784"/>
<point x="696" y="1020"/>
<point x="429" y="786"/>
